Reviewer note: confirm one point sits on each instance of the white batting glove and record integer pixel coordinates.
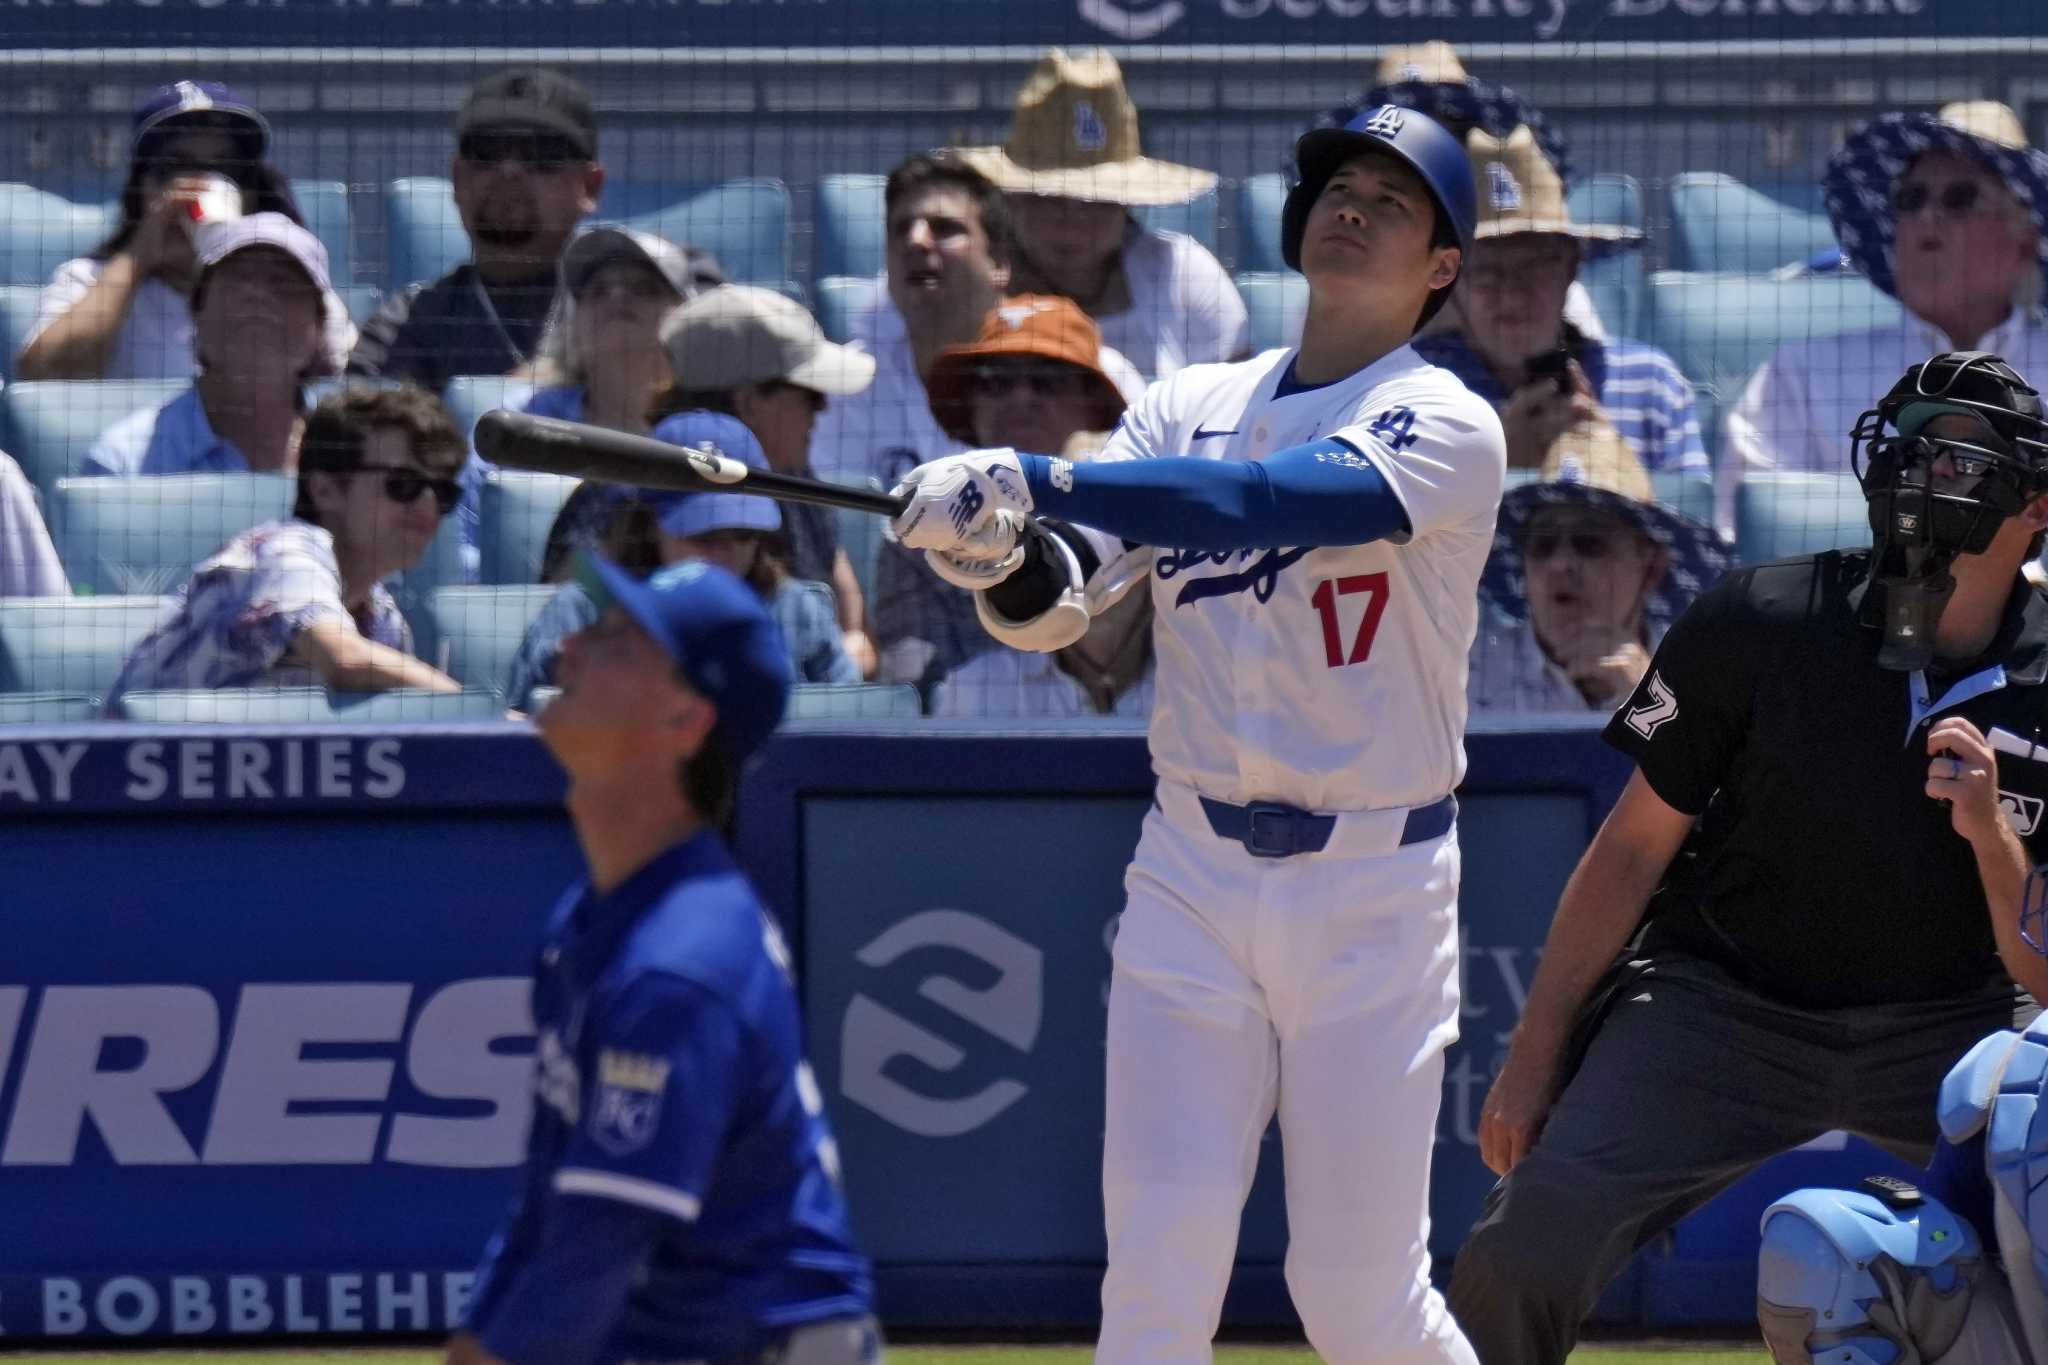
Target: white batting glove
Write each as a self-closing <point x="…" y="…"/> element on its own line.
<point x="997" y="559"/>
<point x="955" y="501"/>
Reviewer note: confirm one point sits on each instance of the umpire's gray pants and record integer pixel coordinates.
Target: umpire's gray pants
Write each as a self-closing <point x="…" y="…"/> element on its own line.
<point x="1691" y="1082"/>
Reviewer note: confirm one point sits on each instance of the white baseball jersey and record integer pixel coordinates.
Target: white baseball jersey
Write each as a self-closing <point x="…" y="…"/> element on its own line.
<point x="1333" y="678"/>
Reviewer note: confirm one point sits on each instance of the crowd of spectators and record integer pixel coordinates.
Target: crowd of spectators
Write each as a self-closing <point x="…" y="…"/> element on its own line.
<point x="1023" y="303"/>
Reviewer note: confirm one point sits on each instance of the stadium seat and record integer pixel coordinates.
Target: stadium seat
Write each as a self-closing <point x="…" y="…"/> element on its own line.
<point x="46" y="708"/>
<point x="849" y="235"/>
<point x="71" y="644"/>
<point x="1259" y="199"/>
<point x="515" y="511"/>
<point x="48" y="427"/>
<point x="362" y="301"/>
<point x="479" y="629"/>
<point x="143" y="535"/>
<point x="1719" y="328"/>
<point x="1277" y="304"/>
<point x="39" y="231"/>
<point x="1780" y="515"/>
<point x="17" y="319"/>
<point x="1615" y="284"/>
<point x="1197" y="218"/>
<point x="324" y="206"/>
<point x="859" y="701"/>
<point x="282" y="705"/>
<point x="745" y="223"/>
<point x="1720" y="224"/>
<point x="473" y="395"/>
<point x="844" y="302"/>
<point x="860" y="535"/>
<point x="1686" y="493"/>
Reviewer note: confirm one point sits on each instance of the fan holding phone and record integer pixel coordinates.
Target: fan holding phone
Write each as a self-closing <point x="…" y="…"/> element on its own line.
<point x="1509" y="338"/>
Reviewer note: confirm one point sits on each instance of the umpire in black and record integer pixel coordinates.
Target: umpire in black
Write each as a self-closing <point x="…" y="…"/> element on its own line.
<point x="1805" y="906"/>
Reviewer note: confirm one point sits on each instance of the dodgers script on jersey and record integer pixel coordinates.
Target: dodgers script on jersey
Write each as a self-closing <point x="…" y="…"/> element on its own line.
<point x="1331" y="678"/>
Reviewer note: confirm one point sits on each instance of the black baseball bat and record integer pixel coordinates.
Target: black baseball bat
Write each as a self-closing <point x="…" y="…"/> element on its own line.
<point x="553" y="446"/>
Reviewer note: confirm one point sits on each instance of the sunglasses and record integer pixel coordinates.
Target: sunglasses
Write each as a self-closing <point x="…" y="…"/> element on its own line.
<point x="993" y="381"/>
<point x="1958" y="197"/>
<point x="1585" y="544"/>
<point x="404" y="485"/>
<point x="544" y="153"/>
<point x="775" y="388"/>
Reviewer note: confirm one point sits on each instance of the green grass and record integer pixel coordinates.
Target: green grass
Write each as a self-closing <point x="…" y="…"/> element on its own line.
<point x="1675" y="1354"/>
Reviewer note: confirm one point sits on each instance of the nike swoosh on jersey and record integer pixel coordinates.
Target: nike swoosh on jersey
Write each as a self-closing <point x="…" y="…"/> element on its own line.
<point x="1202" y="434"/>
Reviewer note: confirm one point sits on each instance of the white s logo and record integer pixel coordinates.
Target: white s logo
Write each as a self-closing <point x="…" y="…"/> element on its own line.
<point x="1661" y="706"/>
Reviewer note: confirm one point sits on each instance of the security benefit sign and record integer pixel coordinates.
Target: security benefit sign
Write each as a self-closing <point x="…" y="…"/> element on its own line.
<point x="264" y="1069"/>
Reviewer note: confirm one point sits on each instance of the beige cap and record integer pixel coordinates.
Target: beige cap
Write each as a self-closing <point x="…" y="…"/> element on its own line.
<point x="737" y="334"/>
<point x="1435" y="61"/>
<point x="1519" y="192"/>
<point x="1074" y="135"/>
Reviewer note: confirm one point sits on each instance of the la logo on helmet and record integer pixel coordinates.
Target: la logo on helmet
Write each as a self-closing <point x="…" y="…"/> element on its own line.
<point x="1386" y="122"/>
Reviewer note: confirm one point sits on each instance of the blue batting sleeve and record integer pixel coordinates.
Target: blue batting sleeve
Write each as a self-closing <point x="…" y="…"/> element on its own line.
<point x="1322" y="493"/>
<point x="565" y="1302"/>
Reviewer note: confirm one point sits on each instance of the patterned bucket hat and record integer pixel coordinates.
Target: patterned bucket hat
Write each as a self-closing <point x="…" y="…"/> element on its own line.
<point x="1593" y="467"/>
<point x="1860" y="175"/>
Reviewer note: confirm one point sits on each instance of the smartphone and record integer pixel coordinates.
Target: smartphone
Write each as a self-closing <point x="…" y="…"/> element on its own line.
<point x="1554" y="366"/>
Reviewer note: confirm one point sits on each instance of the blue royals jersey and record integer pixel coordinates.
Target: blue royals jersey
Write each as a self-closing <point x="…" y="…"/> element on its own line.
<point x="671" y="1079"/>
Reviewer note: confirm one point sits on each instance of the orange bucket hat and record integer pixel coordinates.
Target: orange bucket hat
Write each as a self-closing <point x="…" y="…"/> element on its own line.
<point x="1024" y="326"/>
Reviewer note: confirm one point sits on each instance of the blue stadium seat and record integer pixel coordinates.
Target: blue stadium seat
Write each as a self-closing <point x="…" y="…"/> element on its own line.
<point x="1259" y="200"/>
<point x="860" y="535"/>
<point x="143" y="535"/>
<point x="1719" y="328"/>
<point x="859" y="701"/>
<point x="71" y="644"/>
<point x="324" y="206"/>
<point x="1197" y="218"/>
<point x="1277" y="303"/>
<point x="849" y="234"/>
<point x="49" y="426"/>
<point x="39" y="231"/>
<point x="280" y="705"/>
<point x="46" y="708"/>
<point x="362" y="300"/>
<point x="844" y="301"/>
<point x="1720" y="224"/>
<point x="745" y="223"/>
<point x="473" y="395"/>
<point x="447" y="563"/>
<point x="479" y="629"/>
<point x="1780" y="515"/>
<point x="1686" y="493"/>
<point x="515" y="510"/>
<point x="17" y="319"/>
<point x="1616" y="284"/>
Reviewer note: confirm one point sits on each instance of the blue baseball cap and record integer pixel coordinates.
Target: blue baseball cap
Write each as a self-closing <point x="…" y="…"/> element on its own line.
<point x="208" y="101"/>
<point x="695" y="514"/>
<point x="719" y="633"/>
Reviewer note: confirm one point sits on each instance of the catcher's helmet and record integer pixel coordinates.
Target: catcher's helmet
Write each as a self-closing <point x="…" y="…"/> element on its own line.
<point x="1999" y="468"/>
<point x="1414" y="137"/>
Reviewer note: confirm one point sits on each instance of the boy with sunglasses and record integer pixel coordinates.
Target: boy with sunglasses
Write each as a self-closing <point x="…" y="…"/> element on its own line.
<point x="301" y="601"/>
<point x="525" y="174"/>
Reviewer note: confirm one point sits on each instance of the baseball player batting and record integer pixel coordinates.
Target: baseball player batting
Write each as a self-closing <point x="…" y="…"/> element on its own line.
<point x="1318" y="519"/>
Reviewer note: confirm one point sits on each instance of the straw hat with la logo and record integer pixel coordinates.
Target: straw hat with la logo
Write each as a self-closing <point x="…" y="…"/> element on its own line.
<point x="1521" y="193"/>
<point x="1074" y="135"/>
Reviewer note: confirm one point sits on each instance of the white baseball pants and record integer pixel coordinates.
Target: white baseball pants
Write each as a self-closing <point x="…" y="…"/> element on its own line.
<point x="1324" y="987"/>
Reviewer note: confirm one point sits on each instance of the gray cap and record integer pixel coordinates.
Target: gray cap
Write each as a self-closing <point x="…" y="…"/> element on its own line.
<point x="737" y="334"/>
<point x="689" y="270"/>
<point x="215" y="242"/>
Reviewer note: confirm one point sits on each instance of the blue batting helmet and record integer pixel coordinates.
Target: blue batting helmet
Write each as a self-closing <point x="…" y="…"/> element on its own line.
<point x="1418" y="140"/>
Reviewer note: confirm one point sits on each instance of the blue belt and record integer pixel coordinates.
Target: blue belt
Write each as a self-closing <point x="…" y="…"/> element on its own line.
<point x="1268" y="829"/>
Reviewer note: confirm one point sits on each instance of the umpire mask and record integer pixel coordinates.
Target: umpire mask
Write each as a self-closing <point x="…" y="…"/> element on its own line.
<point x="1933" y="494"/>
